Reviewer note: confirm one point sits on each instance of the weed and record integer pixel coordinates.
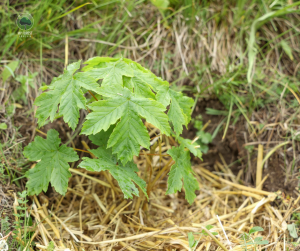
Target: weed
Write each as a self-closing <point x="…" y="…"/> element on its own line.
<point x="194" y="243"/>
<point x="204" y="138"/>
<point x="20" y="92"/>
<point x="22" y="225"/>
<point x="3" y="176"/>
<point x="246" y="238"/>
<point x="50" y="246"/>
<point x="5" y="225"/>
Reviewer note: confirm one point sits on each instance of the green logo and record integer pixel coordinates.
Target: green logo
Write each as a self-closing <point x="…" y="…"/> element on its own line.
<point x="25" y="21"/>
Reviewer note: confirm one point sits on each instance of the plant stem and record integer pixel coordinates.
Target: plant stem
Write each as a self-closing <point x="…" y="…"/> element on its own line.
<point x="93" y="95"/>
<point x="82" y="150"/>
<point x="155" y="154"/>
<point x="41" y="132"/>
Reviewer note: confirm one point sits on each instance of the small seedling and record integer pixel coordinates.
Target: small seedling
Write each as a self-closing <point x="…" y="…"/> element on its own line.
<point x="24" y="220"/>
<point x="204" y="138"/>
<point x="127" y="94"/>
<point x="292" y="230"/>
<point x="25" y="81"/>
<point x="51" y="246"/>
<point x="5" y="225"/>
<point x="193" y="243"/>
<point x="246" y="238"/>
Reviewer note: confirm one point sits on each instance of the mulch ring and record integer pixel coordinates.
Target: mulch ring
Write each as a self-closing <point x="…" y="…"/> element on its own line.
<point x="93" y="215"/>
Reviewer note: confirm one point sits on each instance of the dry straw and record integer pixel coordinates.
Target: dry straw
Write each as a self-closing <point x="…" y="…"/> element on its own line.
<point x="94" y="216"/>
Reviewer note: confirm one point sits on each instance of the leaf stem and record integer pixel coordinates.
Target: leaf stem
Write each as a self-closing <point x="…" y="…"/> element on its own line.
<point x="41" y="132"/>
<point x="156" y="154"/>
<point x="93" y="95"/>
<point x="76" y="149"/>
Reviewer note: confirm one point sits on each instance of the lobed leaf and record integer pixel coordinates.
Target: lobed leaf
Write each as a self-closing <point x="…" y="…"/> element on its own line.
<point x="182" y="170"/>
<point x="124" y="174"/>
<point x="130" y="132"/>
<point x="141" y="83"/>
<point x="128" y="135"/>
<point x="110" y="72"/>
<point x="101" y="138"/>
<point x="191" y="146"/>
<point x="53" y="166"/>
<point x="117" y="74"/>
<point x="180" y="110"/>
<point x="66" y="91"/>
<point x="255" y="229"/>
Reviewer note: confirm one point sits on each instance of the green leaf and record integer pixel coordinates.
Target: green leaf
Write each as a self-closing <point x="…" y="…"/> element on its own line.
<point x="141" y="82"/>
<point x="104" y="113"/>
<point x="66" y="91"/>
<point x="163" y="95"/>
<point x="97" y="60"/>
<point x="191" y="146"/>
<point x="44" y="88"/>
<point x="180" y="110"/>
<point x="47" y="103"/>
<point x="110" y="72"/>
<point x="124" y="174"/>
<point x="260" y="241"/>
<point x="204" y="137"/>
<point x="208" y="227"/>
<point x="128" y="135"/>
<point x="23" y="79"/>
<point x="163" y="91"/>
<point x="287" y="49"/>
<point x="53" y="165"/>
<point x="3" y="126"/>
<point x="9" y="70"/>
<point x="182" y="170"/>
<point x="39" y="178"/>
<point x="130" y="131"/>
<point x="144" y="81"/>
<point x="101" y="138"/>
<point x="160" y="4"/>
<point x="191" y="239"/>
<point x="292" y="230"/>
<point x="26" y="81"/>
<point x="255" y="229"/>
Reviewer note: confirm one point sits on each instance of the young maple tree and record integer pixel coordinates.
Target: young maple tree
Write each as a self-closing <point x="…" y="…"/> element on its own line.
<point x="126" y="93"/>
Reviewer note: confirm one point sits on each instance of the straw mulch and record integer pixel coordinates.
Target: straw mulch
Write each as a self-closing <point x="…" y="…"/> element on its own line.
<point x="93" y="215"/>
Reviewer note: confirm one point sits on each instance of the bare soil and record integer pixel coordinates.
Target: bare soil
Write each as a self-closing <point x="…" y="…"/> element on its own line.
<point x="232" y="149"/>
